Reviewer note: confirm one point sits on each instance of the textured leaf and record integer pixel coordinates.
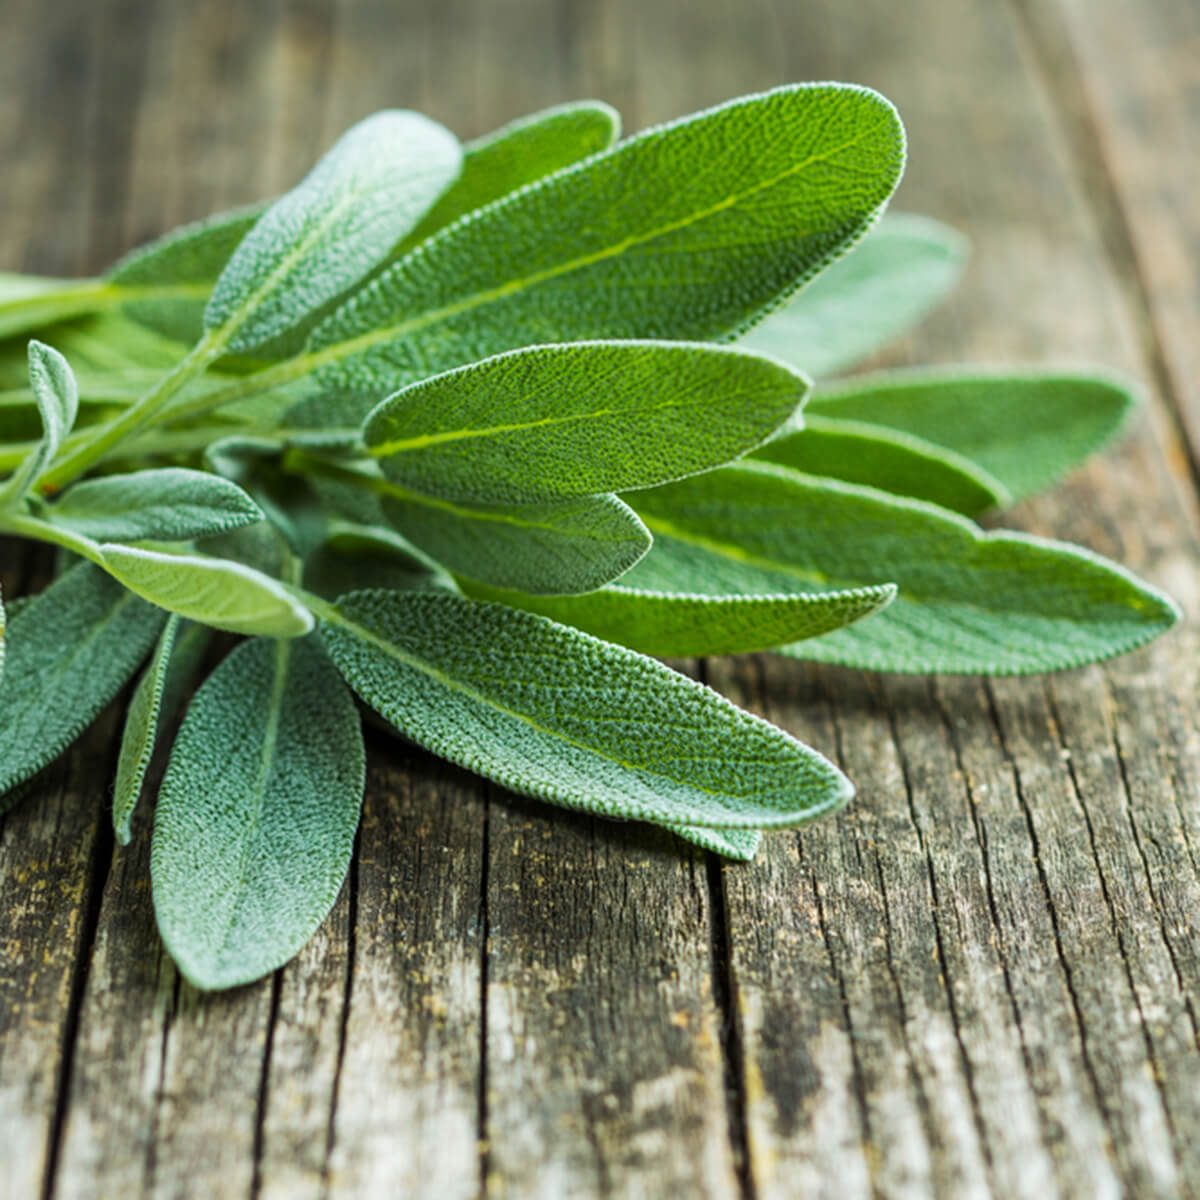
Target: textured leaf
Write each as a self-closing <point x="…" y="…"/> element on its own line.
<point x="70" y="650"/>
<point x="1027" y="429"/>
<point x="334" y="227"/>
<point x="254" y="826"/>
<point x="551" y="422"/>
<point x="353" y="558"/>
<point x="681" y="623"/>
<point x="887" y="459"/>
<point x="57" y="400"/>
<point x="521" y="152"/>
<point x="902" y="269"/>
<point x="969" y="603"/>
<point x="214" y="591"/>
<point x="567" y="546"/>
<point x="741" y="844"/>
<point x="166" y="284"/>
<point x="691" y="230"/>
<point x="552" y="713"/>
<point x="168" y="504"/>
<point x="155" y="699"/>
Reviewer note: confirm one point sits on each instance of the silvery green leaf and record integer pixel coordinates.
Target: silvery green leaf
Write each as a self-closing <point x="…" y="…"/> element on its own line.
<point x="888" y="459"/>
<point x="970" y="602"/>
<point x="691" y="230"/>
<point x="740" y="844"/>
<point x="57" y="399"/>
<point x="214" y="591"/>
<point x="1025" y="428"/>
<point x="168" y="504"/>
<point x="70" y="650"/>
<point x="901" y="270"/>
<point x="255" y="821"/>
<point x="551" y="422"/>
<point x="334" y="227"/>
<point x="155" y="699"/>
<point x="680" y="624"/>
<point x="549" y="712"/>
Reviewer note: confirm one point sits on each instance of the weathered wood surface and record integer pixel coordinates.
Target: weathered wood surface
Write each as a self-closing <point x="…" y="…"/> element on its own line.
<point x="982" y="979"/>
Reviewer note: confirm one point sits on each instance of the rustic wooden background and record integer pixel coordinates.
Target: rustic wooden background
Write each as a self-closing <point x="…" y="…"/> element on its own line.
<point x="982" y="979"/>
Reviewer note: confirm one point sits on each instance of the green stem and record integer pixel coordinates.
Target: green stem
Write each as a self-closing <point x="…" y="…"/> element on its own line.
<point x="136" y="416"/>
<point x="255" y="384"/>
<point x="42" y="531"/>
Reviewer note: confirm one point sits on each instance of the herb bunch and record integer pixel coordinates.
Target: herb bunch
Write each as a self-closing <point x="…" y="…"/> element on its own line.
<point x="466" y="435"/>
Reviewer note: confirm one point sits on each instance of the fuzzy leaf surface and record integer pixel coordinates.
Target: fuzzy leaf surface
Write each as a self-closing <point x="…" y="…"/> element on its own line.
<point x="69" y="651"/>
<point x="681" y="624"/>
<point x="690" y="230"/>
<point x="901" y="270"/>
<point x="57" y="399"/>
<point x="887" y="459"/>
<point x="551" y="422"/>
<point x="334" y="227"/>
<point x="168" y="504"/>
<point x="255" y="821"/>
<point x="214" y="591"/>
<point x="1026" y="429"/>
<point x="155" y="699"/>
<point x="550" y="712"/>
<point x="970" y="602"/>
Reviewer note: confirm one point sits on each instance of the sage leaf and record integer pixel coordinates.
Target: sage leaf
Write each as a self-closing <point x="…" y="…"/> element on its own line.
<point x="740" y="844"/>
<point x="226" y="595"/>
<point x="70" y="650"/>
<point x="353" y="558"/>
<point x="564" y="546"/>
<point x="691" y="230"/>
<point x="903" y="268"/>
<point x="155" y="699"/>
<point x="167" y="504"/>
<point x="887" y="459"/>
<point x="33" y="303"/>
<point x="334" y="227"/>
<point x="969" y="603"/>
<point x="553" y="713"/>
<point x="521" y="152"/>
<point x="255" y="822"/>
<point x="680" y="624"/>
<point x="57" y="399"/>
<point x="550" y="422"/>
<point x="1025" y="428"/>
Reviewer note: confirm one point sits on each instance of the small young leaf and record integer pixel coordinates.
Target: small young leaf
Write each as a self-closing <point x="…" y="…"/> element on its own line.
<point x="552" y="713"/>
<point x="155" y="699"/>
<point x="681" y="624"/>
<point x="691" y="230"/>
<point x="214" y="591"/>
<point x="255" y="821"/>
<point x="901" y="270"/>
<point x="567" y="546"/>
<point x="551" y="422"/>
<point x="70" y="650"/>
<point x="969" y="603"/>
<point x="887" y="459"/>
<point x="169" y="504"/>
<point x="57" y="399"/>
<point x="521" y="152"/>
<point x="334" y="227"/>
<point x="1026" y="428"/>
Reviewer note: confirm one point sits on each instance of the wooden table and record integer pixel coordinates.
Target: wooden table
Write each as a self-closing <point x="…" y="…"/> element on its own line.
<point x="982" y="979"/>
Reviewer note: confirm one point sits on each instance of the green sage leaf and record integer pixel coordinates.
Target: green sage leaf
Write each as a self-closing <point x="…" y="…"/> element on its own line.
<point x="255" y="822"/>
<point x="691" y="230"/>
<point x="217" y="592"/>
<point x="57" y="399"/>
<point x="155" y="699"/>
<point x="903" y="268"/>
<point x="167" y="504"/>
<point x="550" y="422"/>
<point x="34" y="303"/>
<point x="70" y="650"/>
<point x="334" y="227"/>
<point x="970" y="602"/>
<point x="550" y="712"/>
<point x="1025" y="428"/>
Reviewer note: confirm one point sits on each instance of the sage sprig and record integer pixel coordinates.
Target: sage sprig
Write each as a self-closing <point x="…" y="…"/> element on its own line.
<point x="474" y="435"/>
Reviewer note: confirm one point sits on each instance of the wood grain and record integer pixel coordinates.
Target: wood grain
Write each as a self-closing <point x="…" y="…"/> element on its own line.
<point x="982" y="979"/>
